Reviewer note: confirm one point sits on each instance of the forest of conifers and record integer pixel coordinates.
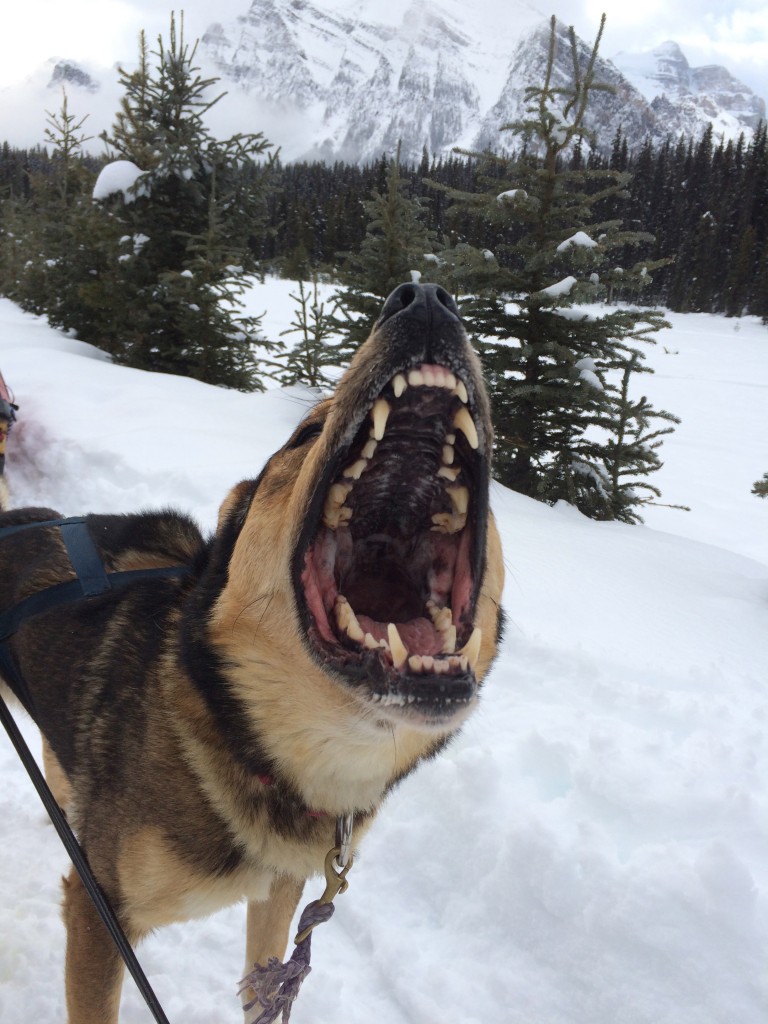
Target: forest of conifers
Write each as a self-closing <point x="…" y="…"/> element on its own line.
<point x="705" y="202"/>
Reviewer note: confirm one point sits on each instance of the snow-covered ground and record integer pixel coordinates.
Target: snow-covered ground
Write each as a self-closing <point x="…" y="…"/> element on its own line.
<point x="594" y="848"/>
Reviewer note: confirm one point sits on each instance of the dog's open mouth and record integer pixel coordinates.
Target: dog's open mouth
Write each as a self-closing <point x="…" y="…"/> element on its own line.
<point x="389" y="570"/>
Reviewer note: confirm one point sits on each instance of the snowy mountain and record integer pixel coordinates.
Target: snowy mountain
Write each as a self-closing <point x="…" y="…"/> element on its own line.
<point x="348" y="80"/>
<point x="431" y="75"/>
<point x="691" y="97"/>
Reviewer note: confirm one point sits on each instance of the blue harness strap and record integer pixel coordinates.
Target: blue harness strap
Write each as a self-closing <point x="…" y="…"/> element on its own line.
<point x="92" y="580"/>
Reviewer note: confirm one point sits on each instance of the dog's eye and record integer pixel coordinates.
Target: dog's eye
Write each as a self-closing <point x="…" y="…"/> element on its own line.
<point x="307" y="433"/>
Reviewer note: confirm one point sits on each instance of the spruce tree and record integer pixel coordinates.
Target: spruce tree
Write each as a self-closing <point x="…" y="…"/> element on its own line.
<point x="173" y="303"/>
<point x="52" y="226"/>
<point x="317" y="351"/>
<point x="549" y="362"/>
<point x="397" y="244"/>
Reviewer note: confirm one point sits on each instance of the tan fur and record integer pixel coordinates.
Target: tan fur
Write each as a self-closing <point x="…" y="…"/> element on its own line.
<point x="175" y="820"/>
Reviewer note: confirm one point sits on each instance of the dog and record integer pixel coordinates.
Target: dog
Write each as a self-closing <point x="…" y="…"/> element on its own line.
<point x="204" y="729"/>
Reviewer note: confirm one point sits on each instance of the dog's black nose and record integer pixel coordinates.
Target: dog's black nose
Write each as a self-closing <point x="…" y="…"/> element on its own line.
<point x="427" y="303"/>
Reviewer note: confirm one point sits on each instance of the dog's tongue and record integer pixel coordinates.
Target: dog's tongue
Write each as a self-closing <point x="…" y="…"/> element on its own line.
<point x="419" y="635"/>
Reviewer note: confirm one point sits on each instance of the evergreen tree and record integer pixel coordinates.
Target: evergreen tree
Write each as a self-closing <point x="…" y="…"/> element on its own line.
<point x="52" y="224"/>
<point x="172" y="303"/>
<point x="549" y="363"/>
<point x="397" y="243"/>
<point x="307" y="361"/>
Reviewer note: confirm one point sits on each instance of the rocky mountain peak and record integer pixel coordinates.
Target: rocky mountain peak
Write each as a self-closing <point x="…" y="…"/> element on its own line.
<point x="427" y="77"/>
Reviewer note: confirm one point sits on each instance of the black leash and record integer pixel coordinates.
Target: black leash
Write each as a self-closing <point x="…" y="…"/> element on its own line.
<point x="78" y="858"/>
<point x="92" y="581"/>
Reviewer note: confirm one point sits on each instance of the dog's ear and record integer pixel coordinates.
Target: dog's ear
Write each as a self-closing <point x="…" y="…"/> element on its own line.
<point x="236" y="504"/>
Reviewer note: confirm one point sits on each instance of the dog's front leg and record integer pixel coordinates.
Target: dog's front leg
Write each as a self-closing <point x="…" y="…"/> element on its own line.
<point x="267" y="926"/>
<point x="94" y="968"/>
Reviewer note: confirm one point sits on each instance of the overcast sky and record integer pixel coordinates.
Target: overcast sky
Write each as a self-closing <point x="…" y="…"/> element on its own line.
<point x="729" y="32"/>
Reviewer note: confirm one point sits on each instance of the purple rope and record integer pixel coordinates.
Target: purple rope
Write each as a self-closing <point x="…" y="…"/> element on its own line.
<point x="277" y="985"/>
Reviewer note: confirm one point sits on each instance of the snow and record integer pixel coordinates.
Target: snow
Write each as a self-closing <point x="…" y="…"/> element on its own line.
<point x="563" y="287"/>
<point x="120" y="176"/>
<point x="580" y="240"/>
<point x="594" y="847"/>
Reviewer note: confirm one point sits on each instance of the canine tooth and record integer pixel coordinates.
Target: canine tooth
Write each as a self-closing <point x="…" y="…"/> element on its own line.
<point x="460" y="498"/>
<point x="353" y="630"/>
<point x="396" y="646"/>
<point x="449" y="454"/>
<point x="449" y="472"/>
<point x="414" y="663"/>
<point x="355" y="471"/>
<point x="464" y="422"/>
<point x="369" y="449"/>
<point x="415" y="378"/>
<point x="471" y="649"/>
<point x="343" y="610"/>
<point x="399" y="384"/>
<point x="461" y="391"/>
<point x="380" y="415"/>
<point x="449" y="640"/>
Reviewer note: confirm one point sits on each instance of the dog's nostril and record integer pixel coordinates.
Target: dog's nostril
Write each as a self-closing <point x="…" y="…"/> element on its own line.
<point x="401" y="298"/>
<point x="447" y="300"/>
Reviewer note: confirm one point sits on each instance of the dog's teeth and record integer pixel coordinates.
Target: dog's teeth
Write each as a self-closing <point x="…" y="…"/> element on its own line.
<point x="449" y="381"/>
<point x="448" y="472"/>
<point x="447" y="522"/>
<point x="442" y="521"/>
<point x="449" y="454"/>
<point x="353" y="630"/>
<point x="460" y="498"/>
<point x="471" y="649"/>
<point x="333" y="513"/>
<point x="369" y="449"/>
<point x="399" y="384"/>
<point x="449" y="640"/>
<point x="414" y="663"/>
<point x="450" y="439"/>
<point x="380" y="415"/>
<point x="370" y="642"/>
<point x="461" y="391"/>
<point x="427" y="662"/>
<point x="441" y="617"/>
<point x="347" y="620"/>
<point x="355" y="471"/>
<point x="343" y="610"/>
<point x="415" y="378"/>
<point x="396" y="646"/>
<point x="464" y="422"/>
<point x="337" y="494"/>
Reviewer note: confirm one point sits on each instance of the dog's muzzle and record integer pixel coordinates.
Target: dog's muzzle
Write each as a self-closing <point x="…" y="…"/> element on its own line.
<point x="389" y="566"/>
